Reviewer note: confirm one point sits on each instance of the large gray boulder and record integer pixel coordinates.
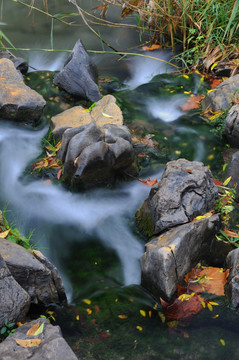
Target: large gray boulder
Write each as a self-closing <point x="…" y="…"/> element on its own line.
<point x="14" y="300"/>
<point x="17" y="101"/>
<point x="35" y="274"/>
<point x="232" y="126"/>
<point x="232" y="287"/>
<point x="185" y="191"/>
<point x="51" y="347"/>
<point x="94" y="155"/>
<point x="170" y="256"/>
<point x="79" y="75"/>
<point x="223" y="96"/>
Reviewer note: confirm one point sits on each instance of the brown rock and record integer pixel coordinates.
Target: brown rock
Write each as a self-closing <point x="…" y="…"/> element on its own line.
<point x="17" y="101"/>
<point x="107" y="112"/>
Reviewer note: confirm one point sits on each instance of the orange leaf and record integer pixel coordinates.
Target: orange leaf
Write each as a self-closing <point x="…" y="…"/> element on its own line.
<point x="149" y="182"/>
<point x="59" y="174"/>
<point x="33" y="329"/>
<point x="216" y="182"/>
<point x="123" y="317"/>
<point x="152" y="47"/>
<point x="192" y="103"/>
<point x="210" y="279"/>
<point x="126" y="11"/>
<point x="28" y="342"/>
<point x="228" y="233"/>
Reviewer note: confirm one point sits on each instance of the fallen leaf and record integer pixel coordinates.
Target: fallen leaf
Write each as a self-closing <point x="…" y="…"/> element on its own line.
<point x="152" y="47"/>
<point x="40" y="330"/>
<point x="204" y="216"/>
<point x="216" y="182"/>
<point x="230" y="233"/>
<point x="123" y="317"/>
<point x="193" y="102"/>
<point x="28" y="342"/>
<point x="139" y="328"/>
<point x="87" y="301"/>
<point x="149" y="182"/>
<point x="59" y="174"/>
<point x="142" y="313"/>
<point x="4" y="234"/>
<point x="33" y="329"/>
<point x="106" y="115"/>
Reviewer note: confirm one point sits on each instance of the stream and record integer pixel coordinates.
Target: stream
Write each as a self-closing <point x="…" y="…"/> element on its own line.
<point x="91" y="236"/>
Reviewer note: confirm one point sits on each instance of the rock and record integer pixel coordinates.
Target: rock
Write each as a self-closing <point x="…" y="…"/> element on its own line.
<point x="185" y="191"/>
<point x="225" y="94"/>
<point x="17" y="101"/>
<point x="107" y="112"/>
<point x="14" y="300"/>
<point x="232" y="287"/>
<point x="19" y="63"/>
<point x="104" y="112"/>
<point x="52" y="346"/>
<point x="170" y="256"/>
<point x="79" y="75"/>
<point x="233" y="171"/>
<point x="232" y="126"/>
<point x="38" y="278"/>
<point x="94" y="155"/>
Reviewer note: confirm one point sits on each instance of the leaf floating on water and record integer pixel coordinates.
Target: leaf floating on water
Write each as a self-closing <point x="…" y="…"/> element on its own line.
<point x="139" y="328"/>
<point x="152" y="47"/>
<point x="33" y="329"/>
<point x="87" y="301"/>
<point x="192" y="103"/>
<point x="28" y="342"/>
<point x="142" y="313"/>
<point x="222" y="342"/>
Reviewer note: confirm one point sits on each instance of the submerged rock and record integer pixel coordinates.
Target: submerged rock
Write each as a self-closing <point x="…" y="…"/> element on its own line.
<point x="79" y="75"/>
<point x="51" y="346"/>
<point x="170" y="256"/>
<point x="185" y="191"/>
<point x="106" y="111"/>
<point x="224" y="95"/>
<point x="94" y="155"/>
<point x="14" y="300"/>
<point x="232" y="126"/>
<point x="17" y="101"/>
<point x="232" y="287"/>
<point x="35" y="274"/>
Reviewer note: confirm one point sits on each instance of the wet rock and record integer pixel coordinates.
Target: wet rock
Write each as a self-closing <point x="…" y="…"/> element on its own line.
<point x="104" y="112"/>
<point x="14" y="300"/>
<point x="232" y="287"/>
<point x="94" y="155"/>
<point x="52" y="346"/>
<point x="185" y="191"/>
<point x="38" y="278"/>
<point x="232" y="126"/>
<point x="233" y="171"/>
<point x="17" y="101"/>
<point x="19" y="63"/>
<point x="225" y="94"/>
<point x="79" y="75"/>
<point x="170" y="256"/>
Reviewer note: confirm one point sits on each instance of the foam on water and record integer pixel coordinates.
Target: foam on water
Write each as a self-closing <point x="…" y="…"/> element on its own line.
<point x="166" y="109"/>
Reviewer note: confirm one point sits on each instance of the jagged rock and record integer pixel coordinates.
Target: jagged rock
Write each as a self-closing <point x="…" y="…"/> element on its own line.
<point x="19" y="63"/>
<point x="185" y="191"/>
<point x="233" y="171"/>
<point x="79" y="75"/>
<point x="94" y="155"/>
<point x="52" y="346"/>
<point x="14" y="300"/>
<point x="104" y="112"/>
<point x="225" y="94"/>
<point x="38" y="278"/>
<point x="232" y="287"/>
<point x="170" y="256"/>
<point x="17" y="101"/>
<point x="232" y="126"/>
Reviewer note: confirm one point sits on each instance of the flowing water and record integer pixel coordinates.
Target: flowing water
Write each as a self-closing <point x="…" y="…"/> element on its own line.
<point x="91" y="236"/>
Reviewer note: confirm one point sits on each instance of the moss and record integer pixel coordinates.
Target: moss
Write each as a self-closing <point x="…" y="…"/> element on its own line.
<point x="144" y="220"/>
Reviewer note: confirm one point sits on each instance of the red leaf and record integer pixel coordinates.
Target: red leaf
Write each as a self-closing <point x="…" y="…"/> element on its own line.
<point x="59" y="174"/>
<point x="216" y="182"/>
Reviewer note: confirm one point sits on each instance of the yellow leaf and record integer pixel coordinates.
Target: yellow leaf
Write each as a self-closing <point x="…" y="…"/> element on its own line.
<point x="216" y="316"/>
<point x="123" y="317"/>
<point x="214" y="65"/>
<point x="77" y="317"/>
<point x="162" y="316"/>
<point x="203" y="304"/>
<point x="87" y="301"/>
<point x="205" y="216"/>
<point x="227" y="181"/>
<point x="211" y="90"/>
<point x="40" y="330"/>
<point x="150" y="313"/>
<point x="213" y="303"/>
<point x="142" y="312"/>
<point x="209" y="306"/>
<point x="185" y="76"/>
<point x="28" y="342"/>
<point x="4" y="234"/>
<point x="89" y="311"/>
<point x="139" y="328"/>
<point x="106" y="115"/>
<point x="222" y="342"/>
<point x="33" y="329"/>
<point x="187" y="92"/>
